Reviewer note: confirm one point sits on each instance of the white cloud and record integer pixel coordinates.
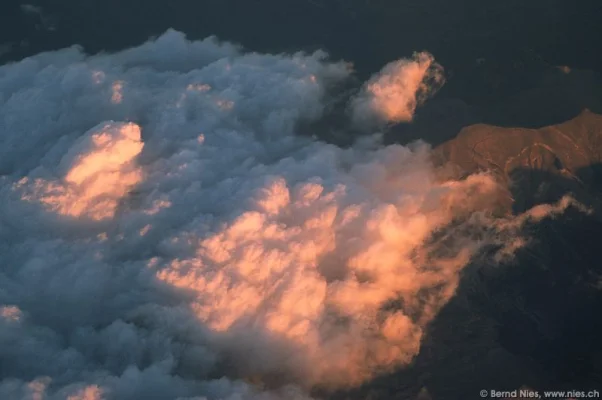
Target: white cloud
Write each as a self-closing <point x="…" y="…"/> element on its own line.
<point x="198" y="248"/>
<point x="393" y="94"/>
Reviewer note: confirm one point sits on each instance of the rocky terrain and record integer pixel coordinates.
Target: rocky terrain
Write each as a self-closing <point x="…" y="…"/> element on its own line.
<point x="540" y="165"/>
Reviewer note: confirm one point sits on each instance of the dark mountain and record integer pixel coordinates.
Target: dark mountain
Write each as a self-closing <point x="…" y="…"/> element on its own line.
<point x="539" y="165"/>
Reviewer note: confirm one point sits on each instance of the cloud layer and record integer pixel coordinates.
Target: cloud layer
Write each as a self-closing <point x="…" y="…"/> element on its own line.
<point x="166" y="234"/>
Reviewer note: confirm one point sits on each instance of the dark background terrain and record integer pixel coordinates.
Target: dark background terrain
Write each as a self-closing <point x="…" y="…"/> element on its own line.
<point x="515" y="39"/>
<point x="537" y="322"/>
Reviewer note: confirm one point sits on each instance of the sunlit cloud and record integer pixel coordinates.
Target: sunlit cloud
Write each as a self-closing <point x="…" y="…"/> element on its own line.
<point x="168" y="234"/>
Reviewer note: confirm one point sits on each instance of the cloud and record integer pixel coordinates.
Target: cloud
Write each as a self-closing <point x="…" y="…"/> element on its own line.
<point x="98" y="173"/>
<point x="393" y="94"/>
<point x="180" y="240"/>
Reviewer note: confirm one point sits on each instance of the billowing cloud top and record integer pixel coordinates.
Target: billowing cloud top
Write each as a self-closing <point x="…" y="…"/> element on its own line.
<point x="393" y="94"/>
<point x="165" y="233"/>
<point x="98" y="173"/>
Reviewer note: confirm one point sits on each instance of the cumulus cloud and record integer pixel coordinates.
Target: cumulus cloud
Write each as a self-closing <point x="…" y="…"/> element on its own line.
<point x="392" y="95"/>
<point x="166" y="234"/>
<point x="98" y="174"/>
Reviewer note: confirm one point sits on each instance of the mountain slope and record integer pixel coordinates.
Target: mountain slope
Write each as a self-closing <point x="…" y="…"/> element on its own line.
<point x="539" y="164"/>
